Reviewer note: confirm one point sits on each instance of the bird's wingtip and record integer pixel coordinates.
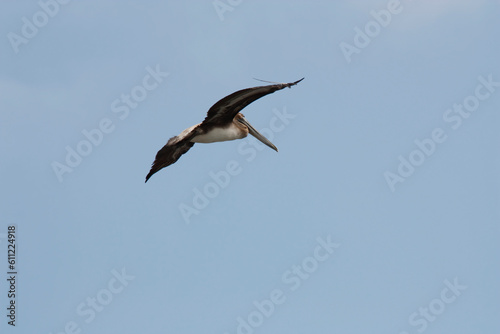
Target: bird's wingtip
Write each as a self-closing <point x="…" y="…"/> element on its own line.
<point x="294" y="83"/>
<point x="282" y="84"/>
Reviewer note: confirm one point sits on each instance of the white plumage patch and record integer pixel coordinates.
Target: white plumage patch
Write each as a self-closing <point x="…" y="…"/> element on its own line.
<point x="231" y="132"/>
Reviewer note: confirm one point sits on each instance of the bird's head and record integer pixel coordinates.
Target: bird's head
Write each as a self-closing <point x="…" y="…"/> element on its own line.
<point x="241" y="122"/>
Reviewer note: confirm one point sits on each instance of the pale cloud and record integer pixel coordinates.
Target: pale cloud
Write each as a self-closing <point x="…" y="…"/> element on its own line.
<point x="436" y="8"/>
<point x="428" y="6"/>
<point x="420" y="12"/>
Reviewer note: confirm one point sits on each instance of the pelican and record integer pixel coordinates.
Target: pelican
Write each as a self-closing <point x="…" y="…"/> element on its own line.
<point x="223" y="122"/>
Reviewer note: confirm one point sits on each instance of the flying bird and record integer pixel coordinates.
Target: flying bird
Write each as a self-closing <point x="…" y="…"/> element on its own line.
<point x="223" y="122"/>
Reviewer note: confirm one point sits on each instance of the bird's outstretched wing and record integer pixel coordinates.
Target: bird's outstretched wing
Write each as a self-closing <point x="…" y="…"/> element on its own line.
<point x="225" y="109"/>
<point x="173" y="149"/>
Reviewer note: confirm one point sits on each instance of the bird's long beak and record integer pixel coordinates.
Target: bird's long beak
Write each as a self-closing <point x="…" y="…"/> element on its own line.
<point x="257" y="134"/>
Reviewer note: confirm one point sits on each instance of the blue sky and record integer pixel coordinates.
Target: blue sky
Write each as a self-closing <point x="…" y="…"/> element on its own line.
<point x="379" y="213"/>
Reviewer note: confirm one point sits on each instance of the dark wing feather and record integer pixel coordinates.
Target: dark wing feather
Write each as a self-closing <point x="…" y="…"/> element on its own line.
<point x="225" y="109"/>
<point x="173" y="149"/>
